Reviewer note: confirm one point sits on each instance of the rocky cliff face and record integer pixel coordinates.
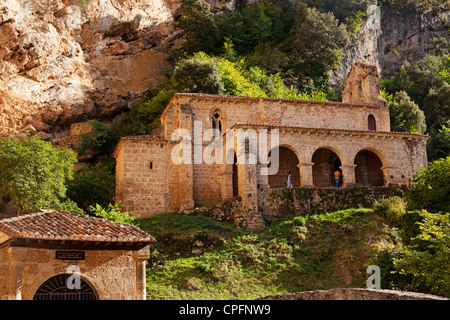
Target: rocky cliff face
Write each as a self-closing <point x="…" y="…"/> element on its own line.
<point x="402" y="37"/>
<point x="407" y="30"/>
<point x="66" y="61"/>
<point x="63" y="61"/>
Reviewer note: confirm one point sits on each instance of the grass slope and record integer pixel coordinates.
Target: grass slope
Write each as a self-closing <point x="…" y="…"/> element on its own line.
<point x="305" y="253"/>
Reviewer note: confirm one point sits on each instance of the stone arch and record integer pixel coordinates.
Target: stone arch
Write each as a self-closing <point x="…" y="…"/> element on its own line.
<point x="326" y="161"/>
<point x="377" y="152"/>
<point x="334" y="149"/>
<point x="56" y="288"/>
<point x="369" y="167"/>
<point x="289" y="162"/>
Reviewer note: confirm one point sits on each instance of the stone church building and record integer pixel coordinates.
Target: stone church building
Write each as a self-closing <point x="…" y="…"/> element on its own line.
<point x="315" y="139"/>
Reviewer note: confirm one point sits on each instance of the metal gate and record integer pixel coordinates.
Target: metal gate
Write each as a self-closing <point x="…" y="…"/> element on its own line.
<point x="56" y="288"/>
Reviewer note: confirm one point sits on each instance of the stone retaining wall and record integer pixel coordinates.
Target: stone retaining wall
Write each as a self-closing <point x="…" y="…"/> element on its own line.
<point x="286" y="203"/>
<point x="354" y="294"/>
<point x="231" y="210"/>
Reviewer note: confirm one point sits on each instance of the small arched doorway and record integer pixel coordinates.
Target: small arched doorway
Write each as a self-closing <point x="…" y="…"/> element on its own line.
<point x="368" y="169"/>
<point x="288" y="163"/>
<point x="326" y="163"/>
<point x="56" y="288"/>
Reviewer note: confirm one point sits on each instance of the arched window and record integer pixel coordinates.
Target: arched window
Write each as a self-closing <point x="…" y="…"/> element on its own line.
<point x="217" y="124"/>
<point x="372" y="123"/>
<point x="56" y="288"/>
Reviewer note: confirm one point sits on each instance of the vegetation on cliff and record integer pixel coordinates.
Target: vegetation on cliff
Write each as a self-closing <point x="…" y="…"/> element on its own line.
<point x="198" y="258"/>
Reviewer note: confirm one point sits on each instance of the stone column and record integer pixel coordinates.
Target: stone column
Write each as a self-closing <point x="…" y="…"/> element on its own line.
<point x="248" y="186"/>
<point x="227" y="181"/>
<point x="186" y="187"/>
<point x="306" y="174"/>
<point x="140" y="257"/>
<point x="16" y="256"/>
<point x="348" y="173"/>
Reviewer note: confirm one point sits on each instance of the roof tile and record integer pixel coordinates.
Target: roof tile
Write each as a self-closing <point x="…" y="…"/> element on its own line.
<point x="64" y="225"/>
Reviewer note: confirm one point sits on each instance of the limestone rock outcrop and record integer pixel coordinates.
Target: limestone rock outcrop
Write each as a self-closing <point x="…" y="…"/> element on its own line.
<point x="65" y="61"/>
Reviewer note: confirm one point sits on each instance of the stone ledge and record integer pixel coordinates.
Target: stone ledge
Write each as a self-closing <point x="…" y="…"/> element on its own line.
<point x="353" y="294"/>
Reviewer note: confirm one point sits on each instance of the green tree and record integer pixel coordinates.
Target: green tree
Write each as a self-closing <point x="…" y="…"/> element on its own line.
<point x="93" y="185"/>
<point x="316" y="41"/>
<point x="197" y="76"/>
<point x="437" y="106"/>
<point x="342" y="9"/>
<point x="198" y="25"/>
<point x="33" y="173"/>
<point x="406" y="115"/>
<point x="438" y="46"/>
<point x="428" y="266"/>
<point x="445" y="72"/>
<point x="416" y="79"/>
<point x="431" y="189"/>
<point x="438" y="146"/>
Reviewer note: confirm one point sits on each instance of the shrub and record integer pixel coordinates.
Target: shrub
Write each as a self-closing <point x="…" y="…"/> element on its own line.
<point x="428" y="264"/>
<point x="92" y="185"/>
<point x="431" y="189"/>
<point x="113" y="212"/>
<point x="99" y="140"/>
<point x="299" y="221"/>
<point x="33" y="173"/>
<point x="392" y="208"/>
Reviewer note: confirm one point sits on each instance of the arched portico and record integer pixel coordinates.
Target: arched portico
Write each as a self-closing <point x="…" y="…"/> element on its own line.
<point x="288" y="163"/>
<point x="325" y="163"/>
<point x="369" y="168"/>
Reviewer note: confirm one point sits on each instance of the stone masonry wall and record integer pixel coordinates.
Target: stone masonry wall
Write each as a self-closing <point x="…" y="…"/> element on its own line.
<point x="142" y="177"/>
<point x="309" y="114"/>
<point x="111" y="273"/>
<point x="231" y="210"/>
<point x="288" y="203"/>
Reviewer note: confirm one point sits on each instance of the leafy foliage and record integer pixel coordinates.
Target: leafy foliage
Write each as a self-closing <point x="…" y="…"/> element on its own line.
<point x="406" y="115"/>
<point x="33" y="173"/>
<point x="99" y="140"/>
<point x="439" y="143"/>
<point x="437" y="106"/>
<point x="195" y="75"/>
<point x="429" y="267"/>
<point x="431" y="190"/>
<point x="316" y="42"/>
<point x="93" y="185"/>
<point x="416" y="79"/>
<point x="341" y="8"/>
<point x="198" y="26"/>
<point x="113" y="212"/>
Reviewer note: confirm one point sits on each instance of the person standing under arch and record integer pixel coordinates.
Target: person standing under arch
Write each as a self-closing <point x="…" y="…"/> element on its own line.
<point x="337" y="178"/>
<point x="289" y="182"/>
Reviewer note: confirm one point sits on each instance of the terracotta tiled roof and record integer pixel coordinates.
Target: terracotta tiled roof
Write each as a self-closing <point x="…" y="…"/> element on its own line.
<point x="64" y="225"/>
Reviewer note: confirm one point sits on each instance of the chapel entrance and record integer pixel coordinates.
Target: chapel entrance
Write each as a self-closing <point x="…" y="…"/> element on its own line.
<point x="326" y="162"/>
<point x="288" y="162"/>
<point x="368" y="169"/>
<point x="56" y="288"/>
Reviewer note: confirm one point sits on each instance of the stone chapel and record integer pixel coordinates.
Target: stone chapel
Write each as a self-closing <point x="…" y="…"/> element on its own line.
<point x="316" y="139"/>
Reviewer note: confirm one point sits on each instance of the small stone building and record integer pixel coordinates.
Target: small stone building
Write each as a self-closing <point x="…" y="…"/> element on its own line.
<point x="316" y="138"/>
<point x="58" y="255"/>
